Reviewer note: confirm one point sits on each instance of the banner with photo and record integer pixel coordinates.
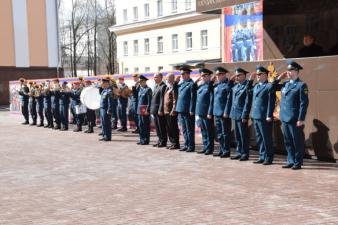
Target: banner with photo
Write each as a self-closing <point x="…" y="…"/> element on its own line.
<point x="243" y="32"/>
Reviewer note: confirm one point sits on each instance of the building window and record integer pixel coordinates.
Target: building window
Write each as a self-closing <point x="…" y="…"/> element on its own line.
<point x="204" y="39"/>
<point x="135" y="10"/>
<point x="188" y="41"/>
<point x="160" y="68"/>
<point x="146" y="46"/>
<point x="146" y="10"/>
<point x="126" y="70"/>
<point x="175" y="42"/>
<point x="125" y="48"/>
<point x="187" y="4"/>
<point x="159" y="8"/>
<point x="147" y="69"/>
<point x="160" y="45"/>
<point x="136" y="70"/>
<point x="174" y="6"/>
<point x="136" y="47"/>
<point x="125" y="16"/>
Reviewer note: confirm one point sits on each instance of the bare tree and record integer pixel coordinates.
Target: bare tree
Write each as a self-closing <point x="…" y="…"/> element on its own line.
<point x="85" y="32"/>
<point x="107" y="40"/>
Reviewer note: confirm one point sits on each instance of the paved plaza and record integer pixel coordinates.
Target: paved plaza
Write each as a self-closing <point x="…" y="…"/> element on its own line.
<point x="54" y="177"/>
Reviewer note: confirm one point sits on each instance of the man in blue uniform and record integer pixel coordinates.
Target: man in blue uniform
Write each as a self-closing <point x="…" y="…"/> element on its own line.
<point x="90" y="114"/>
<point x="185" y="107"/>
<point x="115" y="103"/>
<point x="240" y="110"/>
<point x="55" y="96"/>
<point x="123" y="104"/>
<point x="76" y="102"/>
<point x="133" y="102"/>
<point x="222" y="97"/>
<point x="106" y="110"/>
<point x="24" y="97"/>
<point x="263" y="106"/>
<point x="32" y="103"/>
<point x="157" y="110"/>
<point x="204" y="110"/>
<point x="47" y="105"/>
<point x="39" y="103"/>
<point x="143" y="111"/>
<point x="64" y="105"/>
<point x="293" y="109"/>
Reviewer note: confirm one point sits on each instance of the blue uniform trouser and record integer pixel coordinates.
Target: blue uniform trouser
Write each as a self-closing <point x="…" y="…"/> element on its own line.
<point x="136" y="121"/>
<point x="242" y="138"/>
<point x="64" y="115"/>
<point x="72" y="111"/>
<point x="24" y="110"/>
<point x="144" y="132"/>
<point x="122" y="111"/>
<point x="32" y="110"/>
<point x="48" y="114"/>
<point x="40" y="110"/>
<point x="56" y="114"/>
<point x="188" y="130"/>
<point x="264" y="139"/>
<point x="114" y="112"/>
<point x="79" y="118"/>
<point x="106" y="124"/>
<point x="207" y="130"/>
<point x="294" y="143"/>
<point x="223" y="126"/>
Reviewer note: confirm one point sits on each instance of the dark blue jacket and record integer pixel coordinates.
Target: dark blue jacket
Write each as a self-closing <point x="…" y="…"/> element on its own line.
<point x="55" y="98"/>
<point x="144" y="99"/>
<point x="24" y="97"/>
<point x="222" y="96"/>
<point x="264" y="100"/>
<point x="204" y="100"/>
<point x="294" y="102"/>
<point x="241" y="101"/>
<point x="186" y="100"/>
<point x="75" y="95"/>
<point x="106" y="101"/>
<point x="47" y="98"/>
<point x="64" y="98"/>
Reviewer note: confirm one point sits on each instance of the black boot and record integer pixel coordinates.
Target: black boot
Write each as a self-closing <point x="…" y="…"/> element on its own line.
<point x="78" y="129"/>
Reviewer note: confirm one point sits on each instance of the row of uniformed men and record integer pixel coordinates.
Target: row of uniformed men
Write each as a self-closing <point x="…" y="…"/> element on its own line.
<point x="218" y="101"/>
<point x="52" y="101"/>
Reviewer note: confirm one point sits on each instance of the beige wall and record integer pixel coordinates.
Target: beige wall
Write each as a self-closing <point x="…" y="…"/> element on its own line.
<point x="38" y="52"/>
<point x="28" y="33"/>
<point x="7" y="55"/>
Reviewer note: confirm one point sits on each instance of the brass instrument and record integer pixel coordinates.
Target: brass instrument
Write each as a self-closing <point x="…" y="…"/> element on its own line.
<point x="31" y="92"/>
<point x="56" y="87"/>
<point x="124" y="91"/>
<point x="38" y="90"/>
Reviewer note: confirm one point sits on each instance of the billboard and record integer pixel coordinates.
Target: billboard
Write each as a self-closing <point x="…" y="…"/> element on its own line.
<point x="243" y="32"/>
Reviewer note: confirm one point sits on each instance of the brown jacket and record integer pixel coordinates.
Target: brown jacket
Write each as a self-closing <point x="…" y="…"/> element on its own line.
<point x="170" y="99"/>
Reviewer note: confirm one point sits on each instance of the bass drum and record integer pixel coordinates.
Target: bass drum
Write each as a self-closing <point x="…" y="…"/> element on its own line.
<point x="90" y="97"/>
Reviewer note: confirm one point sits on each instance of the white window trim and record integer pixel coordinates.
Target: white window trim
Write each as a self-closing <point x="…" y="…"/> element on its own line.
<point x="146" y="11"/>
<point x="135" y="13"/>
<point x="125" y="48"/>
<point x="173" y="10"/>
<point x="186" y="41"/>
<point x="158" y="45"/>
<point x="136" y="47"/>
<point x="146" y="49"/>
<point x="159" y="12"/>
<point x="203" y="47"/>
<point x="172" y="42"/>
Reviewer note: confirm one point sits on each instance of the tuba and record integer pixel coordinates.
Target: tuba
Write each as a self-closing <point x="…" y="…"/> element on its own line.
<point x="124" y="91"/>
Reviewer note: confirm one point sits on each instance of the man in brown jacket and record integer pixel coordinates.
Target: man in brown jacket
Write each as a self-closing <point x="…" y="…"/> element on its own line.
<point x="169" y="105"/>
